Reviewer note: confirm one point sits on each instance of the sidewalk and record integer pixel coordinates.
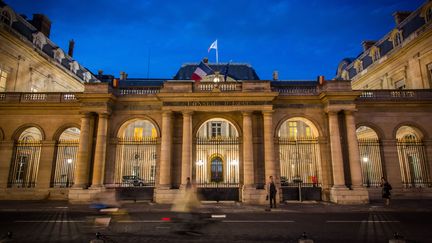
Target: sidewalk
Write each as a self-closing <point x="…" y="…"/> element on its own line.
<point x="424" y="205"/>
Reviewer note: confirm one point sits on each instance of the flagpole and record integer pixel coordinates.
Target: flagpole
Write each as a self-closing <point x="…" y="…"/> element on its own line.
<point x="217" y="61"/>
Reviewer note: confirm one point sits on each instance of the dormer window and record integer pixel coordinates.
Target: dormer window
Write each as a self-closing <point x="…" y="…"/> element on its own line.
<point x="358" y="65"/>
<point x="396" y="37"/>
<point x="426" y="12"/>
<point x="345" y="75"/>
<point x="428" y="15"/>
<point x="39" y="40"/>
<point x="6" y="17"/>
<point x="374" y="53"/>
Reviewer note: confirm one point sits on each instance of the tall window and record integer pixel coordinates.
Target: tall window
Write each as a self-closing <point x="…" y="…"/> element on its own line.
<point x="5" y="17"/>
<point x="216" y="129"/>
<point x="292" y="129"/>
<point x="216" y="170"/>
<point x="397" y="39"/>
<point x="3" y="79"/>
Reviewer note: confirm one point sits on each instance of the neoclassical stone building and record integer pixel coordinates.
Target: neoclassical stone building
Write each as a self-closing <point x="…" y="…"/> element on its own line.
<point x="140" y="138"/>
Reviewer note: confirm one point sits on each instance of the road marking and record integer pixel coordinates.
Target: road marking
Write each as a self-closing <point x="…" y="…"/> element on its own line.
<point x="218" y="216"/>
<point x="258" y="221"/>
<point x="62" y="207"/>
<point x="362" y="221"/>
<point x="49" y="221"/>
<point x="141" y="221"/>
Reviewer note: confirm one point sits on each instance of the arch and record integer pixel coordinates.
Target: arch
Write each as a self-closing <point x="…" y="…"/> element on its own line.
<point x="370" y="156"/>
<point x="25" y="164"/>
<point x="121" y="126"/>
<point x="379" y="132"/>
<point x="208" y="117"/>
<point x="396" y="37"/>
<point x="66" y="157"/>
<point x="299" y="152"/>
<point x="315" y="132"/>
<point x="216" y="119"/>
<point x="61" y="129"/>
<point x="405" y="130"/>
<point x="16" y="135"/>
<point x="217" y="137"/>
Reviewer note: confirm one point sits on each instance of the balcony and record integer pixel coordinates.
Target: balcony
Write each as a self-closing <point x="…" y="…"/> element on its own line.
<point x="395" y="95"/>
<point x="37" y="97"/>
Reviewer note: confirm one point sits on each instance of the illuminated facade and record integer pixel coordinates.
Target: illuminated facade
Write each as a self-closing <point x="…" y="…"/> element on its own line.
<point x="144" y="138"/>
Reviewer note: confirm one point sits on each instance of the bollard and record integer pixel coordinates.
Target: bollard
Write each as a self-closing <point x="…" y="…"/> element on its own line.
<point x="304" y="239"/>
<point x="98" y="238"/>
<point x="397" y="238"/>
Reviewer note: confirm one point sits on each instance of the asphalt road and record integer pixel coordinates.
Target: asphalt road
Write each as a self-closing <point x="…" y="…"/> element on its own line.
<point x="62" y="225"/>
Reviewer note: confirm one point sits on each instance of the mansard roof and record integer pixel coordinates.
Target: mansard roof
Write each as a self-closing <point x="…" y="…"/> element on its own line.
<point x="237" y="71"/>
<point x="414" y="23"/>
<point x="21" y="26"/>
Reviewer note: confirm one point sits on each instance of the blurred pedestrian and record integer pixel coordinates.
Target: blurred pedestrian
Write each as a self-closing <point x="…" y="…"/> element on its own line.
<point x="386" y="188"/>
<point x="271" y="192"/>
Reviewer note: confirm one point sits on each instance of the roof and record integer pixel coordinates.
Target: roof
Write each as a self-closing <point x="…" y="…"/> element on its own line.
<point x="237" y="71"/>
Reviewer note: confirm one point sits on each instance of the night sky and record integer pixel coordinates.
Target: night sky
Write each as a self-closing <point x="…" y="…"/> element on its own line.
<point x="299" y="38"/>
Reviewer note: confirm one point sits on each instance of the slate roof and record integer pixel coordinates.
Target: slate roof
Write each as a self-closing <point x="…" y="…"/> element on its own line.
<point x="237" y="71"/>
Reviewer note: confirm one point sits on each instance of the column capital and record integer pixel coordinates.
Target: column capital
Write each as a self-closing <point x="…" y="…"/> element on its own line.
<point x="268" y="113"/>
<point x="104" y="115"/>
<point x="85" y="114"/>
<point x="246" y="113"/>
<point x="187" y="113"/>
<point x="332" y="112"/>
<point x="166" y="113"/>
<point x="349" y="112"/>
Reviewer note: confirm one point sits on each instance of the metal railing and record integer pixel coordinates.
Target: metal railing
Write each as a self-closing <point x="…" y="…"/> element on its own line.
<point x="395" y="95"/>
<point x="37" y="97"/>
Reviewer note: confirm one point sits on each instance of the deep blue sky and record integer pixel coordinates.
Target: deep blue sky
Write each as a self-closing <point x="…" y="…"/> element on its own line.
<point x="299" y="38"/>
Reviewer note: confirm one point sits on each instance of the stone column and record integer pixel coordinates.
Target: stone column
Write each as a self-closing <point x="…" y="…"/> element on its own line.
<point x="82" y="166"/>
<point x="6" y="151"/>
<point x="354" y="153"/>
<point x="186" y="168"/>
<point x="100" y="151"/>
<point x="270" y="166"/>
<point x="46" y="164"/>
<point x="336" y="150"/>
<point x="391" y="163"/>
<point x="165" y="156"/>
<point x="248" y="167"/>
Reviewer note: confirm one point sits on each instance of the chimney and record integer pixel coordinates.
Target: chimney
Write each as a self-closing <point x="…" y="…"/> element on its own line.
<point x="41" y="23"/>
<point x="275" y="75"/>
<point x="321" y="79"/>
<point x="400" y="16"/>
<point x="100" y="72"/>
<point x="71" y="47"/>
<point x="123" y="75"/>
<point x="367" y="44"/>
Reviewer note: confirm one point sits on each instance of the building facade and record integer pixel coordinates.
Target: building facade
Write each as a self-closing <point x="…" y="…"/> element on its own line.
<point x="143" y="138"/>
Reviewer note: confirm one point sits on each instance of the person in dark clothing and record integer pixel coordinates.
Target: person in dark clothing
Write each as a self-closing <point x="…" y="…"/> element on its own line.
<point x="271" y="190"/>
<point x="386" y="188"/>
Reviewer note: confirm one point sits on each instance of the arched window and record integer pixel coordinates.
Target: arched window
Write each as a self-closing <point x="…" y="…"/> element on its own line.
<point x="370" y="156"/>
<point x="358" y="65"/>
<point x="67" y="155"/>
<point x="136" y="154"/>
<point x="299" y="153"/>
<point x="25" y="163"/>
<point x="374" y="53"/>
<point x="396" y="37"/>
<point x="39" y="40"/>
<point x="217" y="153"/>
<point x="412" y="157"/>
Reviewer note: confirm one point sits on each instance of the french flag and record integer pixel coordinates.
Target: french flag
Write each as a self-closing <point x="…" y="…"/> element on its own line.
<point x="201" y="71"/>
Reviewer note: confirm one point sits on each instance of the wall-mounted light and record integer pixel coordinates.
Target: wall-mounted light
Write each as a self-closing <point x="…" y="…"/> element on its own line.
<point x="234" y="162"/>
<point x="365" y="159"/>
<point x="69" y="161"/>
<point x="199" y="162"/>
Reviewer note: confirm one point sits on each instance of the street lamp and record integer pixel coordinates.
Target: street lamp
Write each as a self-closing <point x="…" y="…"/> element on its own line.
<point x="69" y="163"/>
<point x="234" y="164"/>
<point x="366" y="160"/>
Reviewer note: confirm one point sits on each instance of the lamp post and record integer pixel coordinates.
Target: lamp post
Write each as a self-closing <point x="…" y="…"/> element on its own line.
<point x="366" y="160"/>
<point x="199" y="175"/>
<point x="235" y="163"/>
<point x="69" y="163"/>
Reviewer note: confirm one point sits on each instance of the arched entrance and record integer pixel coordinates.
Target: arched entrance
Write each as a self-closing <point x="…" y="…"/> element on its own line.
<point x="25" y="164"/>
<point x="412" y="157"/>
<point x="135" y="165"/>
<point x="370" y="156"/>
<point x="216" y="170"/>
<point x="67" y="151"/>
<point x="300" y="162"/>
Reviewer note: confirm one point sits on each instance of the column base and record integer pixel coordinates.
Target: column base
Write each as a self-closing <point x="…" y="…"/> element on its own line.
<point x="163" y="194"/>
<point x="251" y="195"/>
<point x="342" y="195"/>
